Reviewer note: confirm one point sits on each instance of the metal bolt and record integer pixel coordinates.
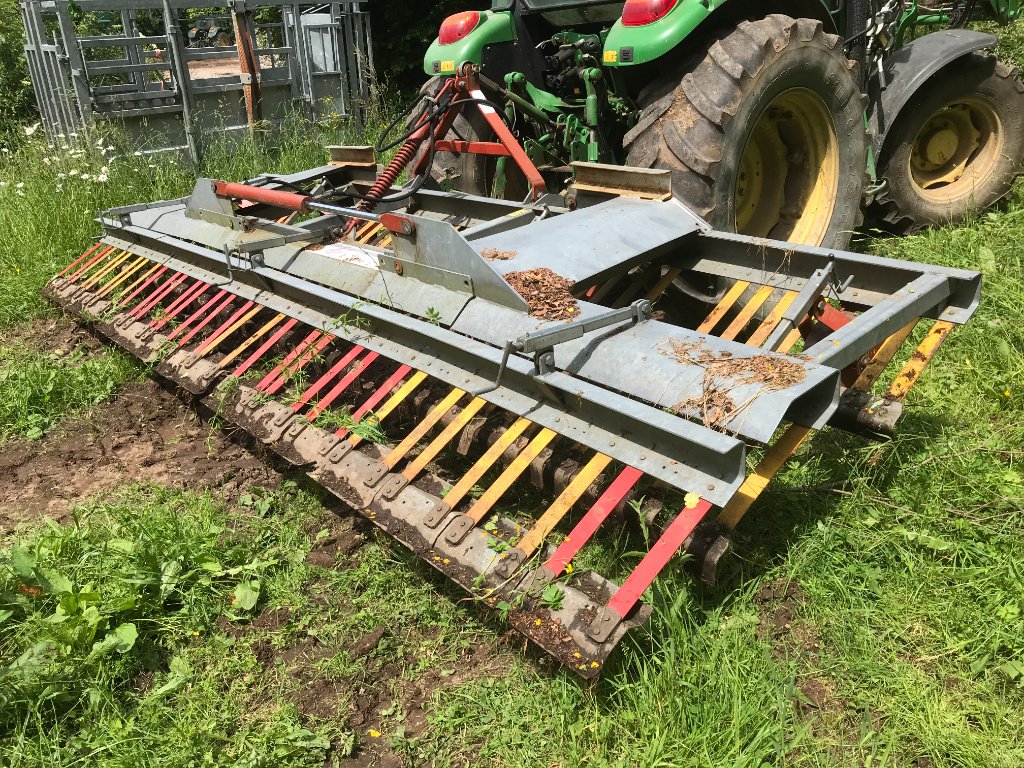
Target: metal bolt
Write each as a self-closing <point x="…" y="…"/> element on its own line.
<point x="398" y="267"/>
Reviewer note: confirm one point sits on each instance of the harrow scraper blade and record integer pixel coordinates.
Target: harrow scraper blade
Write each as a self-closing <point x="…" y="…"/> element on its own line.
<point x="441" y="357"/>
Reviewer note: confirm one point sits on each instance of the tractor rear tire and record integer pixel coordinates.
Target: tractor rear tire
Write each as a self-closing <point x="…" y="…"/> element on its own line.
<point x="765" y="135"/>
<point x="461" y="172"/>
<point x="957" y="146"/>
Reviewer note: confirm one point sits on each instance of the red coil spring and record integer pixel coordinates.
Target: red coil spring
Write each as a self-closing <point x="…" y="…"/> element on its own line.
<point x="388" y="177"/>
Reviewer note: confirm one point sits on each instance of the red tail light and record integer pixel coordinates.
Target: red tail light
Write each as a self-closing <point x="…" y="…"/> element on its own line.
<point x="639" y="13"/>
<point x="456" y="27"/>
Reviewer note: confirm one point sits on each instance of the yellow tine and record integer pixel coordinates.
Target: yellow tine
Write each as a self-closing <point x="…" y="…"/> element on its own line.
<point x="747" y="313"/>
<point x="109" y="267"/>
<point x="385" y="242"/>
<point x="789" y="342"/>
<point x="925" y="352"/>
<point x="662" y="285"/>
<point x="138" y="281"/>
<point x="760" y="336"/>
<point x="512" y="472"/>
<point x="251" y="340"/>
<point x="234" y="327"/>
<point x="883" y="357"/>
<point x="730" y="298"/>
<point x="134" y="267"/>
<point x="427" y="455"/>
<point x="561" y="506"/>
<point x="368" y="232"/>
<point x="756" y="482"/>
<point x="393" y="402"/>
<point x="485" y="462"/>
<point x="627" y="295"/>
<point x="423" y="427"/>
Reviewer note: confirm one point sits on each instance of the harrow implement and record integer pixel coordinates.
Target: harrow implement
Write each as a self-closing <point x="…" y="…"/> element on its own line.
<point x="427" y="362"/>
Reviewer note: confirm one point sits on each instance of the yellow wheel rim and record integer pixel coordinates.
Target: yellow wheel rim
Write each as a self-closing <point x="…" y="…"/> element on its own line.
<point x="789" y="171"/>
<point x="958" y="147"/>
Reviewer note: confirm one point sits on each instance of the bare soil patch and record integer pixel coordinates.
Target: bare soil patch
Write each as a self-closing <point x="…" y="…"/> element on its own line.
<point x="143" y="434"/>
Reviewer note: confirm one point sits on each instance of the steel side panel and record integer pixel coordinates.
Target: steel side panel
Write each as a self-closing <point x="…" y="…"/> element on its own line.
<point x="668" y="447"/>
<point x="593" y="243"/>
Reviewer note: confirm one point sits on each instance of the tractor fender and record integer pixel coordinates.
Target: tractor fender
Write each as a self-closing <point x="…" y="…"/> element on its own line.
<point x="910" y="68"/>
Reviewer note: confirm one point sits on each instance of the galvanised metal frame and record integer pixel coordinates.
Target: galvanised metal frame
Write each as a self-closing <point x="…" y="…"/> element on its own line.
<point x="320" y="67"/>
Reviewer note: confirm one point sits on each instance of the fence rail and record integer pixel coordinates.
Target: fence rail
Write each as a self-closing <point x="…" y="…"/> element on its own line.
<point x="172" y="76"/>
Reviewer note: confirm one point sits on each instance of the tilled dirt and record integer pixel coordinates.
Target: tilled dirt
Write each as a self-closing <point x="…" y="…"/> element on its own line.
<point x="144" y="433"/>
<point x="548" y="294"/>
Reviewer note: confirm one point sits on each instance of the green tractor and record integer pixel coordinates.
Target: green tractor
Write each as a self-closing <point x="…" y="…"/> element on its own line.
<point x="789" y="125"/>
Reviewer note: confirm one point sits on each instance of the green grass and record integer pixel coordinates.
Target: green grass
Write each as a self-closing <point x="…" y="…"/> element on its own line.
<point x="125" y="639"/>
<point x="38" y="390"/>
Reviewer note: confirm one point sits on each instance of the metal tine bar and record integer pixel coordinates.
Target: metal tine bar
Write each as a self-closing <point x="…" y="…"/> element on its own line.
<point x="208" y="318"/>
<point x="376" y="397"/>
<point x="731" y="297"/>
<point x="926" y="350"/>
<point x="766" y="469"/>
<point x="485" y="462"/>
<point x="760" y="336"/>
<point x="242" y="315"/>
<point x="190" y="294"/>
<point x="140" y="285"/>
<point x="663" y="283"/>
<point x="310" y="354"/>
<point x="371" y="230"/>
<point x="80" y="259"/>
<point x="424" y="426"/>
<point x="100" y="266"/>
<point x="264" y="348"/>
<point x="560" y="507"/>
<point x="628" y="595"/>
<point x="154" y="298"/>
<point x="512" y="472"/>
<point x="603" y="290"/>
<point x="219" y="298"/>
<point x="89" y="264"/>
<point x="789" y="342"/>
<point x="592" y="520"/>
<point x="106" y="269"/>
<point x="328" y="377"/>
<point x="438" y="444"/>
<point x="271" y="377"/>
<point x="779" y="452"/>
<point x="627" y="295"/>
<point x="123" y="277"/>
<point x="233" y="354"/>
<point x="113" y="274"/>
<point x="747" y="313"/>
<point x="394" y="401"/>
<point x="357" y="368"/>
<point x="883" y="356"/>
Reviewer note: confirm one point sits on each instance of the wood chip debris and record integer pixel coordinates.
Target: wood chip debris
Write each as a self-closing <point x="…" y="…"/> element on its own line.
<point x="715" y="406"/>
<point x="493" y="254"/>
<point x="548" y="294"/>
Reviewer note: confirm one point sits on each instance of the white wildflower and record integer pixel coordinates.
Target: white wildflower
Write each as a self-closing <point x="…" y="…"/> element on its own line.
<point x="152" y="165"/>
<point x="19" y="193"/>
<point x="60" y="136"/>
<point x="101" y="178"/>
<point x="3" y="183"/>
<point x="86" y="177"/>
<point x="5" y="150"/>
<point x="30" y="129"/>
<point x="104" y="170"/>
<point x="20" y="185"/>
<point x="110" y="149"/>
<point x="137" y="153"/>
<point x="72" y="173"/>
